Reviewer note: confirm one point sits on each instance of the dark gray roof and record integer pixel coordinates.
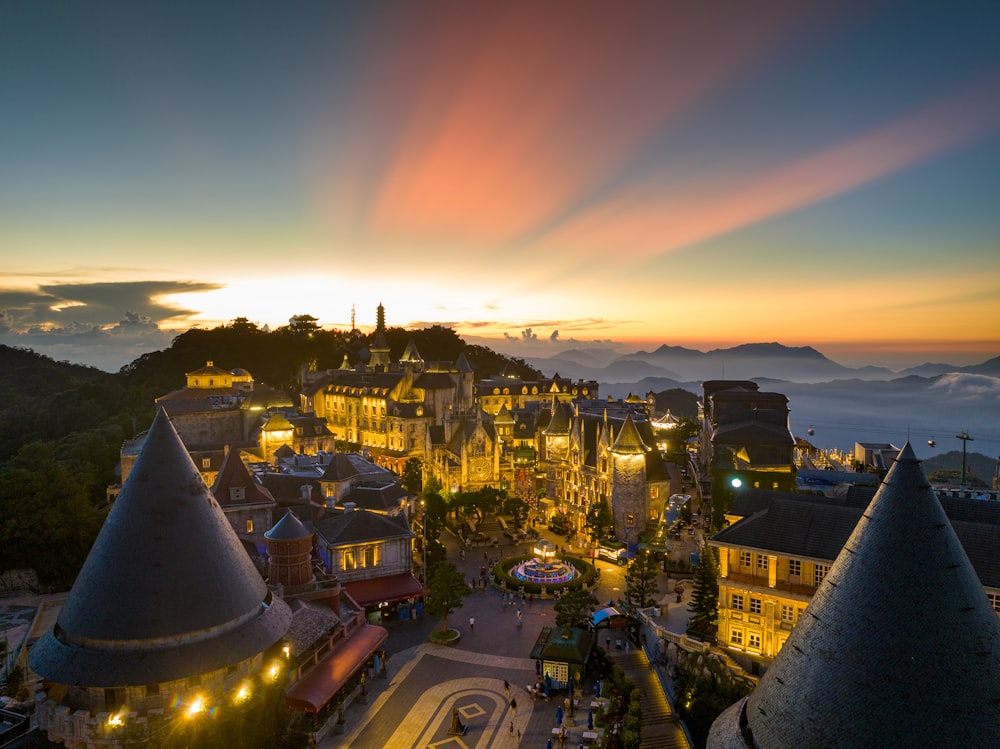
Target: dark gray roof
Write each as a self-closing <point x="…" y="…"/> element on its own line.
<point x="340" y="469"/>
<point x="559" y="423"/>
<point x="817" y="527"/>
<point x="800" y="528"/>
<point x="628" y="441"/>
<point x="899" y="646"/>
<point x="379" y="498"/>
<point x="167" y="590"/>
<point x="289" y="528"/>
<point x="357" y="526"/>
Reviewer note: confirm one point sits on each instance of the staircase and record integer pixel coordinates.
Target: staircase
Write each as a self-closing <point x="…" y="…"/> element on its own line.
<point x="660" y="730"/>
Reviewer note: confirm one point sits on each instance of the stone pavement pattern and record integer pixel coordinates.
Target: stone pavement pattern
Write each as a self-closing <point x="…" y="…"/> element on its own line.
<point x="413" y="706"/>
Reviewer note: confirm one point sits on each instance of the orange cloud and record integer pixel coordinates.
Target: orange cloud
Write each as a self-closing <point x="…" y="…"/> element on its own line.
<point x="492" y="124"/>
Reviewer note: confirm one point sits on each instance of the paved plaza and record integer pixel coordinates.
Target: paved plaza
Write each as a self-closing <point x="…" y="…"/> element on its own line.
<point x="426" y="683"/>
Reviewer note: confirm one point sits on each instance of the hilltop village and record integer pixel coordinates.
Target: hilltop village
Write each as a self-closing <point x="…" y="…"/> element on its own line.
<point x="262" y="548"/>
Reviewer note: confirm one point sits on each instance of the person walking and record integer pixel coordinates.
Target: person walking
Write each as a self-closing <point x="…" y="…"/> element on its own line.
<point x="506" y="689"/>
<point x="472" y="624"/>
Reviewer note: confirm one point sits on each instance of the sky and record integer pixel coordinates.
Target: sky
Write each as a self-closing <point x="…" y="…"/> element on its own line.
<point x="551" y="173"/>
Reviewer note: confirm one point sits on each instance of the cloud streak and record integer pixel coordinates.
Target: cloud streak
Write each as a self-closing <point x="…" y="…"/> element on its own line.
<point x="648" y="219"/>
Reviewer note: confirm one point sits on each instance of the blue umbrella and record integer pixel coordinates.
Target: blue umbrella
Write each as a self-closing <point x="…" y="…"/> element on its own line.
<point x="559" y="716"/>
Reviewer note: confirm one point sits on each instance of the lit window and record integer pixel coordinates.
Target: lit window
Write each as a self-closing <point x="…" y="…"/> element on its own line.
<point x="736" y="637"/>
<point x="206" y="463"/>
<point x="250" y="526"/>
<point x="794" y="567"/>
<point x="369" y="556"/>
<point x="762" y="562"/>
<point x="787" y="613"/>
<point x="754" y="605"/>
<point x="753" y="641"/>
<point x="349" y="561"/>
<point x="745" y="560"/>
<point x="736" y="602"/>
<point x="819" y="573"/>
<point x="995" y="600"/>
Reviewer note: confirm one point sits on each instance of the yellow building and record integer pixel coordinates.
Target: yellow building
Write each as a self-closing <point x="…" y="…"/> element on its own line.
<point x="772" y="561"/>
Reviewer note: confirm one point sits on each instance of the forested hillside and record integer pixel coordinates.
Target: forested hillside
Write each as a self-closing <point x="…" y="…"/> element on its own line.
<point x="62" y="425"/>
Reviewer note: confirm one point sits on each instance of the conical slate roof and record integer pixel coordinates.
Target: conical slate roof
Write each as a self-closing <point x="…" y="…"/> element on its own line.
<point x="628" y="441"/>
<point x="899" y="646"/>
<point x="167" y="591"/>
<point x="559" y="423"/>
<point x="289" y="528"/>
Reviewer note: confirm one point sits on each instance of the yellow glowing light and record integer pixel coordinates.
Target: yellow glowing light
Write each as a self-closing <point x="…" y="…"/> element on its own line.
<point x="196" y="706"/>
<point x="116" y="720"/>
<point x="287" y="651"/>
<point x="243" y="693"/>
<point x="274" y="671"/>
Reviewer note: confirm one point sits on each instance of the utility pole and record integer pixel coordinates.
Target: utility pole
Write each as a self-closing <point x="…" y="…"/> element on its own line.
<point x="964" y="436"/>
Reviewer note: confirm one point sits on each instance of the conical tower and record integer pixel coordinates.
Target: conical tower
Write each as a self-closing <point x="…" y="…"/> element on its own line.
<point x="166" y="594"/>
<point x="899" y="647"/>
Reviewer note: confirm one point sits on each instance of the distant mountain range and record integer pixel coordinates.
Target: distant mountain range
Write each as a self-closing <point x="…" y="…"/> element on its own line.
<point x="842" y="405"/>
<point x="748" y="361"/>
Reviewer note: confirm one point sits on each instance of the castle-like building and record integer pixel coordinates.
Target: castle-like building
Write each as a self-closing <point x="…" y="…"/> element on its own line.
<point x="167" y="620"/>
<point x="899" y="646"/>
<point x="606" y="451"/>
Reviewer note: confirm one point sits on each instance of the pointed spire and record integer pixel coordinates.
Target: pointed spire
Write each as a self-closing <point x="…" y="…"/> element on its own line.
<point x="559" y="423"/>
<point x="628" y="441"/>
<point x="462" y="365"/>
<point x="900" y="643"/>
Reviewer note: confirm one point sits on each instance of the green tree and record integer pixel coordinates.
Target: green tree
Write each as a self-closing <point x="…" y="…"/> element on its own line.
<point x="575" y="608"/>
<point x="517" y="508"/>
<point x="49" y="524"/>
<point x="705" y="687"/>
<point x="704" y="605"/>
<point x="601" y="520"/>
<point x="413" y="475"/>
<point x="446" y="592"/>
<point x="641" y="586"/>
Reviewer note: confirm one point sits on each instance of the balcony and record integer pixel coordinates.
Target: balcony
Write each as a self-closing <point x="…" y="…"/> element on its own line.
<point x="761" y="581"/>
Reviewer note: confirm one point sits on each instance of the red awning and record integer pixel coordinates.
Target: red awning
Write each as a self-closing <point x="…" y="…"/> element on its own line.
<point x="315" y="689"/>
<point x="388" y="589"/>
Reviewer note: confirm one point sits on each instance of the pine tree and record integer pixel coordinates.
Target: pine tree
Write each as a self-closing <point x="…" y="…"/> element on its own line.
<point x="640" y="582"/>
<point x="704" y="606"/>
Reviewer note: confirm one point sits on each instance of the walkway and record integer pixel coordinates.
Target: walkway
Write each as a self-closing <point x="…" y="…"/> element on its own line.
<point x="660" y="730"/>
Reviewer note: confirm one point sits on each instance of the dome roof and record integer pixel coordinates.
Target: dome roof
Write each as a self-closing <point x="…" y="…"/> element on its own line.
<point x="289" y="528"/>
<point x="899" y="646"/>
<point x="167" y="590"/>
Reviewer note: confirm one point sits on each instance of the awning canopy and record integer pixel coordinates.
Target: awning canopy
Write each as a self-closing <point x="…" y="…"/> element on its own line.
<point x="605" y="615"/>
<point x="388" y="589"/>
<point x="319" y="686"/>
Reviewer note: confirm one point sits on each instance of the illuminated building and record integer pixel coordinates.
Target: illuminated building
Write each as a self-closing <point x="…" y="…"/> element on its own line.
<point x="748" y="441"/>
<point x="168" y="619"/>
<point x="898" y="646"/>
<point x="606" y="451"/>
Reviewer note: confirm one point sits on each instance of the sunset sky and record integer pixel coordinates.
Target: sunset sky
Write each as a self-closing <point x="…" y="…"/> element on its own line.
<point x="698" y="174"/>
